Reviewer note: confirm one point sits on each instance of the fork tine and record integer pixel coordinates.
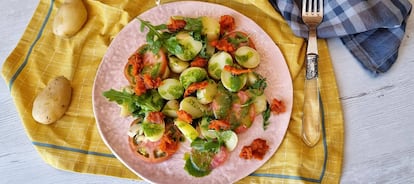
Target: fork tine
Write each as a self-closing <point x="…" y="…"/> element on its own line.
<point x="312" y="7"/>
<point x="321" y="7"/>
<point x="304" y="3"/>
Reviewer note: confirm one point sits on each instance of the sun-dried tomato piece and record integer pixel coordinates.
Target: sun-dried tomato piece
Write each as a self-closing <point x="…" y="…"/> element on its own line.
<point x="139" y="87"/>
<point x="151" y="83"/>
<point x="227" y="24"/>
<point x="219" y="125"/>
<point x="155" y="117"/>
<point x="277" y="106"/>
<point x="236" y="71"/>
<point x="176" y="25"/>
<point x="194" y="87"/>
<point x="184" y="116"/>
<point x="223" y="45"/>
<point x="199" y="62"/>
<point x="257" y="149"/>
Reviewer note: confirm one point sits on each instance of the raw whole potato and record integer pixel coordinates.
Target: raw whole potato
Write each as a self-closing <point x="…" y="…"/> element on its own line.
<point x="70" y="18"/>
<point x="53" y="101"/>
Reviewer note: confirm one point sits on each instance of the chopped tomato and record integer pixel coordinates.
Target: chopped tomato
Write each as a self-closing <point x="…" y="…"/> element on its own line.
<point x="242" y="116"/>
<point x="227" y="24"/>
<point x="277" y="106"/>
<point x="259" y="147"/>
<point x="168" y="145"/>
<point x="219" y="158"/>
<point x="194" y="87"/>
<point x="155" y="117"/>
<point x="144" y="69"/>
<point x="238" y="39"/>
<point x="223" y="45"/>
<point x="184" y="116"/>
<point x="219" y="125"/>
<point x="241" y="129"/>
<point x="236" y="109"/>
<point x="252" y="112"/>
<point x="154" y="64"/>
<point x="243" y="96"/>
<point x="170" y="140"/>
<point x="246" y="153"/>
<point x="176" y="25"/>
<point x="136" y="61"/>
<point x="151" y="83"/>
<point x="236" y="71"/>
<point x="155" y="152"/>
<point x="133" y="67"/>
<point x="248" y="120"/>
<point x="256" y="150"/>
<point x="139" y="87"/>
<point x="232" y="41"/>
<point x="199" y="62"/>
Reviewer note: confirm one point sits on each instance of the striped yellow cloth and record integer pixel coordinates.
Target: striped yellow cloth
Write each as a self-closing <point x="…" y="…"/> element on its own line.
<point x="73" y="143"/>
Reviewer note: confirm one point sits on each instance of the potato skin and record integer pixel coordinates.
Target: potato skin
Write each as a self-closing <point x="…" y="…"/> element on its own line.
<point x="70" y="18"/>
<point x="53" y="101"/>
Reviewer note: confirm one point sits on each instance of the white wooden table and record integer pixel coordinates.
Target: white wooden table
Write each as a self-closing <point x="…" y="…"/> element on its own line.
<point x="379" y="116"/>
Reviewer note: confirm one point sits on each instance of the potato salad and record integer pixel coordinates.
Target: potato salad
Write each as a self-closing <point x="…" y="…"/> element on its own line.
<point x="194" y="81"/>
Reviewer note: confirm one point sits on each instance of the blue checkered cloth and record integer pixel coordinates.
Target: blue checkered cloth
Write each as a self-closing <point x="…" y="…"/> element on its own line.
<point x="372" y="30"/>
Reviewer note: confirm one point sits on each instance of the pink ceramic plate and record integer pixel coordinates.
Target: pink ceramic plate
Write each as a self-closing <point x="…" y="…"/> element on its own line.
<point x="113" y="128"/>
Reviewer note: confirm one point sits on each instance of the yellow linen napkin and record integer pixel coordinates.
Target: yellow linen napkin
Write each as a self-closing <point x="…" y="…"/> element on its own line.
<point x="74" y="144"/>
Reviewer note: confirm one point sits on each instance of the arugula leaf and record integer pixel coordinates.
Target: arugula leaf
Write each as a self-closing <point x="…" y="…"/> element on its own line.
<point x="239" y="38"/>
<point x="193" y="24"/>
<point x="209" y="145"/>
<point x="157" y="36"/>
<point x="203" y="53"/>
<point x="117" y="96"/>
<point x="151" y="101"/>
<point x="173" y="46"/>
<point x="154" y="37"/>
<point x="266" y="116"/>
<point x="259" y="85"/>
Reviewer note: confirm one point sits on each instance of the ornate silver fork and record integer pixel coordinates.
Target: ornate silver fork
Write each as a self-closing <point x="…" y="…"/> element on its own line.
<point x="312" y="15"/>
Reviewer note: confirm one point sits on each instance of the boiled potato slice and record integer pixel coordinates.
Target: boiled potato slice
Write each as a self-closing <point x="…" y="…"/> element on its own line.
<point x="191" y="75"/>
<point x="247" y="57"/>
<point x="176" y="65"/>
<point x="217" y="63"/>
<point x="193" y="107"/>
<point x="170" y="108"/>
<point x="211" y="28"/>
<point x="171" y="89"/>
<point x="233" y="83"/>
<point x="189" y="132"/>
<point x="207" y="94"/>
<point x="190" y="46"/>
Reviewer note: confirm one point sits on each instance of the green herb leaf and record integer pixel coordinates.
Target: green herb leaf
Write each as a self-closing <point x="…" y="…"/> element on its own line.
<point x="209" y="145"/>
<point x="194" y="27"/>
<point x="193" y="24"/>
<point x="151" y="101"/>
<point x="266" y="116"/>
<point x="239" y="38"/>
<point x="154" y="37"/>
<point x="249" y="102"/>
<point x="259" y="86"/>
<point x="173" y="46"/>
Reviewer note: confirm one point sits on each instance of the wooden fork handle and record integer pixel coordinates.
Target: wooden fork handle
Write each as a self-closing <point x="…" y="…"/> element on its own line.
<point x="311" y="123"/>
